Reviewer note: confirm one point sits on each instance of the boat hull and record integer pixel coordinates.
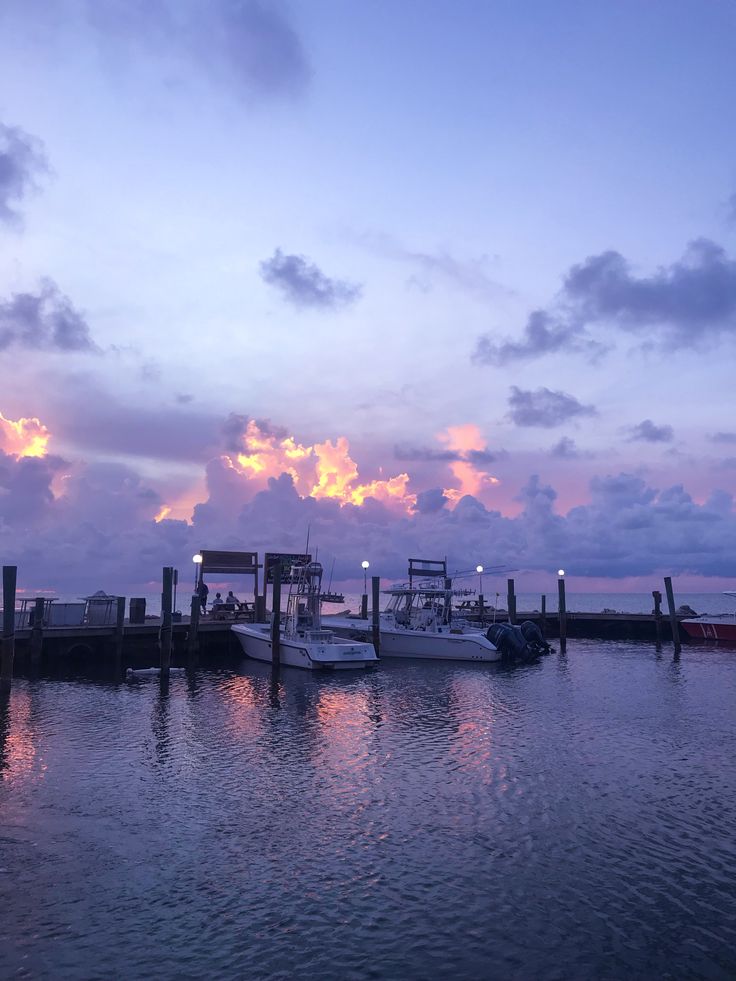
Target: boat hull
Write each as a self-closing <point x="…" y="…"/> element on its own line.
<point x="429" y="644"/>
<point x="711" y="628"/>
<point x="255" y="640"/>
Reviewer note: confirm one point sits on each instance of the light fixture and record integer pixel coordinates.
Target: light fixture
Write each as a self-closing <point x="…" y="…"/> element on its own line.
<point x="197" y="560"/>
<point x="561" y="573"/>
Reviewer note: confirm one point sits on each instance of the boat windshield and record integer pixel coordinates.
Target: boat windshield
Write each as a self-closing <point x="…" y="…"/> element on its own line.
<point x="417" y="607"/>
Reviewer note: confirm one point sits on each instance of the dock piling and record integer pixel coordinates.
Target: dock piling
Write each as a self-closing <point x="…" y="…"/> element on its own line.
<point x="376" y="613"/>
<point x="673" y="616"/>
<point x="10" y="576"/>
<point x="511" y="600"/>
<point x="36" y="641"/>
<point x="276" y="617"/>
<point x="119" y="634"/>
<point x="166" y="629"/>
<point x="563" y="614"/>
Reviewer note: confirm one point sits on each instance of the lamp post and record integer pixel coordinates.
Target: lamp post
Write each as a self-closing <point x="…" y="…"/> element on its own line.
<point x="197" y="560"/>
<point x="479" y="570"/>
<point x="364" y="601"/>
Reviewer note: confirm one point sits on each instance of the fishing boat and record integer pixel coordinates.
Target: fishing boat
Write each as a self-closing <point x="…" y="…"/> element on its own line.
<point x="418" y="620"/>
<point x="303" y="641"/>
<point x="712" y="626"/>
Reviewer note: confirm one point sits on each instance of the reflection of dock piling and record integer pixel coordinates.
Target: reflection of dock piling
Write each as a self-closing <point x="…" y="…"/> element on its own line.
<point x="376" y="613"/>
<point x="276" y="617"/>
<point x="10" y="575"/>
<point x="562" y="614"/>
<point x="673" y="616"/>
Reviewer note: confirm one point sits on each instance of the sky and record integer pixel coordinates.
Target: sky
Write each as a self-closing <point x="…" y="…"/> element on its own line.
<point x="425" y="278"/>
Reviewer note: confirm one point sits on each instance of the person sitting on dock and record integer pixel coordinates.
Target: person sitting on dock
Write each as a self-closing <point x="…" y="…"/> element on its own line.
<point x="232" y="598"/>
<point x="217" y="601"/>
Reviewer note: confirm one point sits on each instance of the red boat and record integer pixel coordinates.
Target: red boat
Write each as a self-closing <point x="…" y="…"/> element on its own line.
<point x="712" y="626"/>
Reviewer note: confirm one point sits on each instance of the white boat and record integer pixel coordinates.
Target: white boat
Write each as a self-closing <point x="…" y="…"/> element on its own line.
<point x="303" y="641"/>
<point x="418" y="622"/>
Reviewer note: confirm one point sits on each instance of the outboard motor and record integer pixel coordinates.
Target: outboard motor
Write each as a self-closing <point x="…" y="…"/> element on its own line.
<point x="510" y="641"/>
<point x="533" y="636"/>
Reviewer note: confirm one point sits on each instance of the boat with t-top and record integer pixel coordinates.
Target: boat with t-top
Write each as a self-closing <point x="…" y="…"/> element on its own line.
<point x="303" y="641"/>
<point x="418" y="620"/>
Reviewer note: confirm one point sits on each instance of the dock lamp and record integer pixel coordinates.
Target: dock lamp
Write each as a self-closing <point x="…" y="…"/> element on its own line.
<point x="561" y="573"/>
<point x="479" y="570"/>
<point x="197" y="560"/>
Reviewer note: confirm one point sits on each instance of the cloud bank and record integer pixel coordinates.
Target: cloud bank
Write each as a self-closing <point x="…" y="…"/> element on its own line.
<point x="75" y="526"/>
<point x="544" y="407"/>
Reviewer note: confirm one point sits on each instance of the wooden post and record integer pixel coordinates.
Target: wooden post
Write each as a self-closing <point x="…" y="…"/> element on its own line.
<point x="657" y="596"/>
<point x="36" y="643"/>
<point x="376" y="612"/>
<point x="673" y="616"/>
<point x="166" y="596"/>
<point x="276" y="616"/>
<point x="119" y="633"/>
<point x="481" y="610"/>
<point x="364" y="606"/>
<point x="260" y="606"/>
<point x="10" y="575"/>
<point x="511" y="601"/>
<point x="543" y="618"/>
<point x="192" y="638"/>
<point x="563" y="614"/>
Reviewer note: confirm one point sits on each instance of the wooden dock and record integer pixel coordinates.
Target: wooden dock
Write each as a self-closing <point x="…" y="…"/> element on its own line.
<point x="140" y="641"/>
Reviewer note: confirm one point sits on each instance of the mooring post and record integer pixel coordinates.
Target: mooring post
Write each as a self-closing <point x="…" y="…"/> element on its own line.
<point x="481" y="608"/>
<point x="543" y="618"/>
<point x="376" y="613"/>
<point x="119" y="634"/>
<point x="511" y="601"/>
<point x="260" y="606"/>
<point x="563" y="614"/>
<point x="657" y="597"/>
<point x="166" y="632"/>
<point x="673" y="616"/>
<point x="36" y="642"/>
<point x="364" y="606"/>
<point x="192" y="638"/>
<point x="10" y="576"/>
<point x="276" y="616"/>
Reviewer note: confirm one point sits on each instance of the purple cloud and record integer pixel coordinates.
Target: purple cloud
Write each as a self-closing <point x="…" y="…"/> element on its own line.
<point x="647" y="432"/>
<point x="690" y="301"/>
<point x="304" y="284"/>
<point x="22" y="161"/>
<point x="43" y="321"/>
<point x="544" y="407"/>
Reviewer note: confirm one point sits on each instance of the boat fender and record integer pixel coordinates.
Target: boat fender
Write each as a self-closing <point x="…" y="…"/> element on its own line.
<point x="150" y="672"/>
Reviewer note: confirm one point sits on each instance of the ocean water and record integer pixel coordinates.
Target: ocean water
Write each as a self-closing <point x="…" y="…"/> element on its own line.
<point x="576" y="602"/>
<point x="569" y="819"/>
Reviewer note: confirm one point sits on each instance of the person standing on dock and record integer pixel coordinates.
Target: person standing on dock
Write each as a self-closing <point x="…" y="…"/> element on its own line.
<point x="203" y="593"/>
